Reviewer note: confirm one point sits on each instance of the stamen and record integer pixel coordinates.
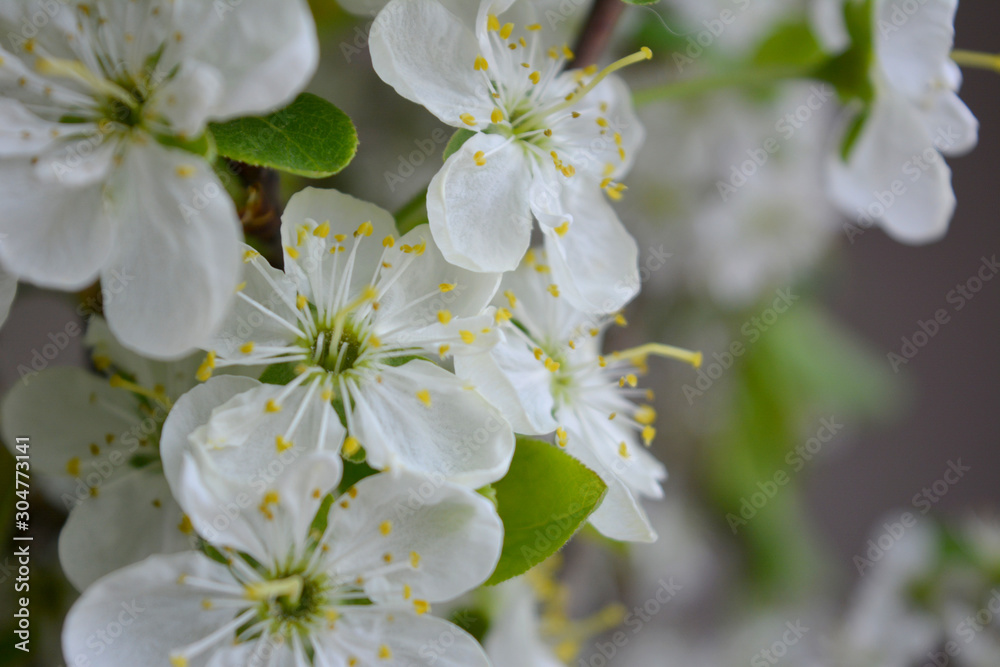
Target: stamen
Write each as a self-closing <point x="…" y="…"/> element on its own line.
<point x="976" y="59"/>
<point x="638" y="355"/>
<point x="290" y="587"/>
<point x="643" y="54"/>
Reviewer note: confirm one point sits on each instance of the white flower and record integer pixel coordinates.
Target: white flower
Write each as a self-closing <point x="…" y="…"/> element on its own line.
<point x="548" y="375"/>
<point x="94" y="107"/>
<point x="102" y="430"/>
<point x="303" y="582"/>
<point x="895" y="173"/>
<point x="352" y="310"/>
<point x="8" y="287"/>
<point x="546" y="142"/>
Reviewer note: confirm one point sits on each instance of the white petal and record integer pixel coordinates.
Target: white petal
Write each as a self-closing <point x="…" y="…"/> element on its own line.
<point x="912" y="47"/>
<point x="77" y="162"/>
<point x="191" y="411"/>
<point x="188" y="99"/>
<point x="245" y="322"/>
<point x="427" y="54"/>
<point x="894" y="150"/>
<point x="595" y="262"/>
<point x="226" y="422"/>
<point x="413" y="641"/>
<point x="345" y="215"/>
<point x="65" y="410"/>
<point x="52" y="235"/>
<point x="454" y="531"/>
<point x="267" y="514"/>
<point x="620" y="515"/>
<point x="954" y="129"/>
<point x="131" y="519"/>
<point x="468" y="292"/>
<point x="459" y="434"/>
<point x="265" y="51"/>
<point x="8" y="288"/>
<point x="153" y="613"/>
<point x="515" y="382"/>
<point x="479" y="215"/>
<point x="176" y="261"/>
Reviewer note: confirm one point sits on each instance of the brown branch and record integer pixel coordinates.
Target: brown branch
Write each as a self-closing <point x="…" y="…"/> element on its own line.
<point x="597" y="31"/>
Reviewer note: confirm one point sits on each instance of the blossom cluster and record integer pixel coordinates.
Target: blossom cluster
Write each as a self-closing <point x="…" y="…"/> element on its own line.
<point x="290" y="463"/>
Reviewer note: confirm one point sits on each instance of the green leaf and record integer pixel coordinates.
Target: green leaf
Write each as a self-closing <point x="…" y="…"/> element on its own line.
<point x="850" y="72"/>
<point x="279" y="373"/>
<point x="456" y="142"/>
<point x="790" y="45"/>
<point x="640" y="2"/>
<point x="544" y="499"/>
<point x="310" y="138"/>
<point x="413" y="214"/>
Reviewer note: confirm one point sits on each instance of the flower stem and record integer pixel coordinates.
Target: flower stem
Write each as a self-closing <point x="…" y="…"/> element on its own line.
<point x="989" y="61"/>
<point x="689" y="88"/>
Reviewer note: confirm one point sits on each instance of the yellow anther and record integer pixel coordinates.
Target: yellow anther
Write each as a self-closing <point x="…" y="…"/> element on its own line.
<point x="496" y="116"/>
<point x="511" y="299"/>
<point x="292" y="252"/>
<point x="282" y="444"/>
<point x="178" y="661"/>
<point x="414" y="559"/>
<point x="534" y="27"/>
<point x="384" y="653"/>
<point x="185" y="171"/>
<point x="502" y="315"/>
<point x="631" y="379"/>
<point x="479" y="158"/>
<point x="620" y="320"/>
<point x="603" y="122"/>
<point x="492" y="23"/>
<point x="387" y="557"/>
<point x="205" y="370"/>
<point x="374" y="340"/>
<point x="94" y="449"/>
<point x="301" y="301"/>
<point x="101" y="362"/>
<point x="365" y="229"/>
<point x="447" y="287"/>
<point x="612" y="416"/>
<point x="388" y="242"/>
<point x="648" y="433"/>
<point x="327" y="394"/>
<point x="552" y="365"/>
<point x="444" y="316"/>
<point x="468" y="119"/>
<point x="623" y="450"/>
<point x="272" y="406"/>
<point x="443" y="350"/>
<point x="561" y="437"/>
<point x="351" y="447"/>
<point x="425" y="397"/>
<point x="538" y="353"/>
<point x="553" y="289"/>
<point x="535" y="77"/>
<point x="568" y="52"/>
<point x="242" y="286"/>
<point x="73" y="466"/>
<point x="481" y="64"/>
<point x="506" y="30"/>
<point x="645" y="415"/>
<point x="300" y="234"/>
<point x="247" y="348"/>
<point x="421" y="606"/>
<point x="322" y="231"/>
<point x="385" y="527"/>
<point x="185" y="526"/>
<point x="467" y="337"/>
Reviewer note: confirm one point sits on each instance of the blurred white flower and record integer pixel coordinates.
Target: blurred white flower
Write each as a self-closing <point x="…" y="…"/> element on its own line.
<point x="546" y="141"/>
<point x="304" y="582"/>
<point x="102" y="429"/>
<point x="99" y="105"/>
<point x="547" y="374"/>
<point x="352" y="310"/>
<point x="895" y="173"/>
